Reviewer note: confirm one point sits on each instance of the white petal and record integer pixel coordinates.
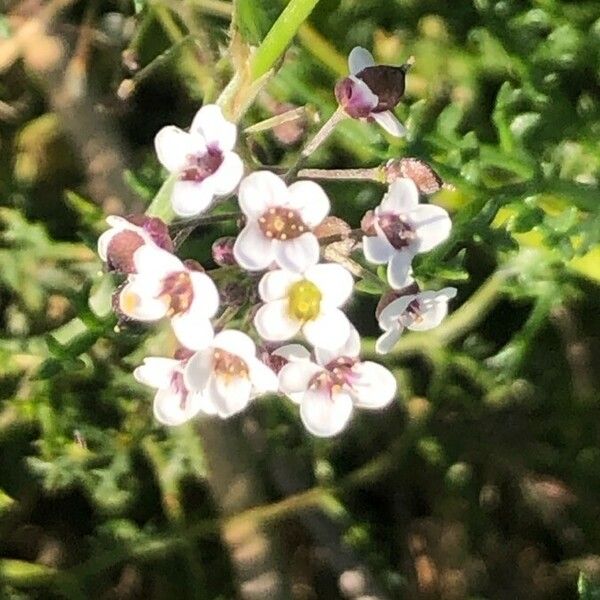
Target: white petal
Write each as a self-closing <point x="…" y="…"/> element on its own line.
<point x="376" y="386"/>
<point x="351" y="348"/>
<point x="235" y="342"/>
<point x="446" y="293"/>
<point x="198" y="370"/>
<point x="206" y="296"/>
<point x="273" y="322"/>
<point x="329" y="330"/>
<point x="310" y="200"/>
<point x="214" y="127"/>
<point x="120" y="222"/>
<point x="173" y="146"/>
<point x="377" y="249"/>
<point x="156" y="371"/>
<point x="262" y="378"/>
<point x="298" y="254"/>
<point x="391" y="313"/>
<point x="191" y="198"/>
<point x="334" y="282"/>
<point x="138" y="299"/>
<point x="292" y="352"/>
<point x="323" y="415"/>
<point x="402" y="196"/>
<point x="296" y="376"/>
<point x="388" y="340"/>
<point x="399" y="269"/>
<point x="229" y="395"/>
<point x="155" y="262"/>
<point x="274" y="285"/>
<point x="103" y="242"/>
<point x="192" y="329"/>
<point x="259" y="191"/>
<point x="252" y="250"/>
<point x="433" y="225"/>
<point x="359" y="59"/>
<point x="226" y="178"/>
<point x="168" y="408"/>
<point x="435" y="309"/>
<point x="390" y="123"/>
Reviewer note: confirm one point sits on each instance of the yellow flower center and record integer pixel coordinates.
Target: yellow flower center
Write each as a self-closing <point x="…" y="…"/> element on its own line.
<point x="304" y="299"/>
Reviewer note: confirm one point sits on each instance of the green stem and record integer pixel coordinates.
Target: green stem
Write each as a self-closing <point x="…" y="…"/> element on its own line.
<point x="280" y="35"/>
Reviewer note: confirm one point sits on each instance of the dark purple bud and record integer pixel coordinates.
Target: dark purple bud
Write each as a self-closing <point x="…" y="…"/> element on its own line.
<point x="155" y="228"/>
<point x="425" y="178"/>
<point x="387" y="83"/>
<point x="222" y="251"/>
<point x="355" y="97"/>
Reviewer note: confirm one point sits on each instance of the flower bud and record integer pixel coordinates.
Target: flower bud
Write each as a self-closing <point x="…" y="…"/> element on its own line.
<point x="387" y="83"/>
<point x="155" y="228"/>
<point x="222" y="251"/>
<point x="425" y="178"/>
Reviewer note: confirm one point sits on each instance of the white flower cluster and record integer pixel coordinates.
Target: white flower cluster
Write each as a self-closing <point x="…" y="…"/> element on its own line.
<point x="302" y="297"/>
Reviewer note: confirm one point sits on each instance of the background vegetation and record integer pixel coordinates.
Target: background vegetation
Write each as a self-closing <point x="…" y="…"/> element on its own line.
<point x="483" y="479"/>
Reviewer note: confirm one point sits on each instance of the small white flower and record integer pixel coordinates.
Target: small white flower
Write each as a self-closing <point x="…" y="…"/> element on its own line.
<point x="203" y="160"/>
<point x="228" y="375"/>
<point x="174" y="403"/>
<point x="329" y="388"/>
<point x="164" y="287"/>
<point x="279" y="222"/>
<point x="306" y="301"/>
<point x="417" y="312"/>
<point x="404" y="228"/>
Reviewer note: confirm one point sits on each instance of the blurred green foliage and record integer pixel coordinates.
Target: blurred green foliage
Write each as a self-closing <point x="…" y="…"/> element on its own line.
<point x="482" y="481"/>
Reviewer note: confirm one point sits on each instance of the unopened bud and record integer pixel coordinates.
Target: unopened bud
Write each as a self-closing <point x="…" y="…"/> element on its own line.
<point x="387" y="83"/>
<point x="156" y="228"/>
<point x="222" y="251"/>
<point x="425" y="178"/>
<point x="125" y="89"/>
<point x="331" y="226"/>
<point x="367" y="223"/>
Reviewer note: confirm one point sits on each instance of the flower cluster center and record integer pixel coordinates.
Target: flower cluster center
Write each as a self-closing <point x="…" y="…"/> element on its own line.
<point x="229" y="366"/>
<point x="199" y="167"/>
<point x="304" y="299"/>
<point x="280" y="223"/>
<point x="338" y="374"/>
<point x="399" y="232"/>
<point x="414" y="311"/>
<point x="178" y="292"/>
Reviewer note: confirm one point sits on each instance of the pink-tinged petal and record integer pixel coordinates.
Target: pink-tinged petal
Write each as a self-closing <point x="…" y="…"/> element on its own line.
<point x="235" y="342"/>
<point x="191" y="198"/>
<point x="325" y="416"/>
<point x="296" y="376"/>
<point x="298" y="254"/>
<point x="155" y="262"/>
<point x="376" y="386"/>
<point x="206" y="296"/>
<point x="390" y="123"/>
<point x="226" y="178"/>
<point x="192" y="329"/>
<point x="292" y="352"/>
<point x="229" y="395"/>
<point x="210" y="123"/>
<point x="310" y="200"/>
<point x="334" y="282"/>
<point x="273" y="322"/>
<point x="402" y="196"/>
<point x="138" y="300"/>
<point x="399" y="269"/>
<point x="388" y="340"/>
<point x="104" y="241"/>
<point x="263" y="379"/>
<point x="261" y="190"/>
<point x="389" y="316"/>
<point x="173" y="146"/>
<point x="198" y="370"/>
<point x="432" y="224"/>
<point x="170" y="410"/>
<point x="156" y="371"/>
<point x="351" y="348"/>
<point x="355" y="97"/>
<point x="359" y="59"/>
<point x="274" y="285"/>
<point x="329" y="330"/>
<point x="252" y="250"/>
<point x="377" y="249"/>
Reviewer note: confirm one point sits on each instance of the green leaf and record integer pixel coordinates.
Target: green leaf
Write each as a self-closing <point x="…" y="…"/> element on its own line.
<point x="588" y="590"/>
<point x="254" y="18"/>
<point x="370" y="286"/>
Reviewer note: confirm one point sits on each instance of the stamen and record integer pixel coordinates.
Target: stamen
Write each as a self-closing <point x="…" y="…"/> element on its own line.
<point x="281" y="223"/>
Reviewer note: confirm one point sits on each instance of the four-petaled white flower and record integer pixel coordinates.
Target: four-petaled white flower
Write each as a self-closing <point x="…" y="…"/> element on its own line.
<point x="307" y="301"/>
<point x="328" y="388"/>
<point x="417" y="312"/>
<point x="372" y="91"/>
<point x="279" y="222"/>
<point x="228" y="375"/>
<point x="174" y="403"/>
<point x="203" y="160"/>
<point x="164" y="286"/>
<point x="404" y="228"/>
